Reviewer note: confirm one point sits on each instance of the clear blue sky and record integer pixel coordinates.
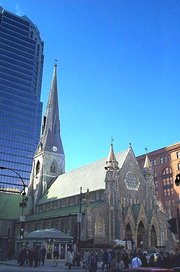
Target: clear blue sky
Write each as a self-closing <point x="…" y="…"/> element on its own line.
<point x="118" y="72"/>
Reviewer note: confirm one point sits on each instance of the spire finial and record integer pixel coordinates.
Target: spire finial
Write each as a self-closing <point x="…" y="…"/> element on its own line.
<point x="112" y="140"/>
<point x="129" y="145"/>
<point x="55" y="62"/>
<point x="146" y="150"/>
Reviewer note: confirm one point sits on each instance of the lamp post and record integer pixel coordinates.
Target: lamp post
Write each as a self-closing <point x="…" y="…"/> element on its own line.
<point x="23" y="203"/>
<point x="79" y="218"/>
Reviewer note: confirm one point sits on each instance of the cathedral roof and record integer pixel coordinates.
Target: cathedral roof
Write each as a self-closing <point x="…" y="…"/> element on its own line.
<point x="63" y="211"/>
<point x="91" y="176"/>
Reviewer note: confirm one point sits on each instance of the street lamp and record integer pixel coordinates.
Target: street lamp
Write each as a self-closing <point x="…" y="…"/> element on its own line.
<point x="23" y="184"/>
<point x="79" y="216"/>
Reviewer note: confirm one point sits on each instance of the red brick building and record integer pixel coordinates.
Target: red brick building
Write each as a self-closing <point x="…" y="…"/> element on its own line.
<point x="166" y="165"/>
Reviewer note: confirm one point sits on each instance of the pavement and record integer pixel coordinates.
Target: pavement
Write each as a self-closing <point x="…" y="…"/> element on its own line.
<point x="12" y="265"/>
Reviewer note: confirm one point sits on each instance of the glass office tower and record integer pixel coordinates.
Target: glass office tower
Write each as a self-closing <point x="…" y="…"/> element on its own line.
<point x="21" y="67"/>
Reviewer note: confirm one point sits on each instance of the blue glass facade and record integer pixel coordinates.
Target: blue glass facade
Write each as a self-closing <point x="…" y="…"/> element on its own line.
<point x="21" y="67"/>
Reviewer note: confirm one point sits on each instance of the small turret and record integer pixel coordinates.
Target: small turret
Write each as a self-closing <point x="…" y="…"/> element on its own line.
<point x="111" y="163"/>
<point x="147" y="166"/>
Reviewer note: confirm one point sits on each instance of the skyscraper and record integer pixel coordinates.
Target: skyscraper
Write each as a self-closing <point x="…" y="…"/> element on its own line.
<point x="21" y="67"/>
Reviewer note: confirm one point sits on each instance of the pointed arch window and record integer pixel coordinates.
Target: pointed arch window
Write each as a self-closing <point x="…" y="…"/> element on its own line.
<point x="167" y="171"/>
<point x="37" y="167"/>
<point x="53" y="168"/>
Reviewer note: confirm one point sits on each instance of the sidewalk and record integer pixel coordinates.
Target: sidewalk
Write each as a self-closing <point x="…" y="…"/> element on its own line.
<point x="12" y="265"/>
<point x="48" y="264"/>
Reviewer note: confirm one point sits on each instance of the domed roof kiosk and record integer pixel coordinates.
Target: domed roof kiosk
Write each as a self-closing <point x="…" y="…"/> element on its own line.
<point x="52" y="239"/>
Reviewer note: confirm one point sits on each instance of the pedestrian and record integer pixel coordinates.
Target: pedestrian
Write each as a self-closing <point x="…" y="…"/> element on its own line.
<point x="136" y="261"/>
<point x="151" y="261"/>
<point x="126" y="259"/>
<point x="119" y="263"/>
<point x="69" y="258"/>
<point x="85" y="260"/>
<point x="144" y="259"/>
<point x="160" y="260"/>
<point x="36" y="256"/>
<point x="22" y="256"/>
<point x="43" y="254"/>
<point x="105" y="259"/>
<point x="30" y="256"/>
<point x="55" y="256"/>
<point x="112" y="267"/>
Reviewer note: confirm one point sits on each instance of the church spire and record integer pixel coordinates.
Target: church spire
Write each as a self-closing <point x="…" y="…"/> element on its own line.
<point x="50" y="138"/>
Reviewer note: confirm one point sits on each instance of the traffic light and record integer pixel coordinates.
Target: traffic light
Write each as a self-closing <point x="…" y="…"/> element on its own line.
<point x="173" y="225"/>
<point x="177" y="180"/>
<point x="22" y="231"/>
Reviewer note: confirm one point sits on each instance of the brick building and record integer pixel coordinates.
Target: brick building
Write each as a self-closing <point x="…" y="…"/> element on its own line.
<point x="166" y="165"/>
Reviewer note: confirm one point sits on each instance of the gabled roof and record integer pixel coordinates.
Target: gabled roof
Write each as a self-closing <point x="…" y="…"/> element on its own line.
<point x="65" y="211"/>
<point x="91" y="176"/>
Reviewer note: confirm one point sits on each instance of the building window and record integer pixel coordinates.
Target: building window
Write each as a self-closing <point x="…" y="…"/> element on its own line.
<point x="154" y="162"/>
<point x="178" y="155"/>
<point x="172" y="191"/>
<point x="161" y="160"/>
<point x="166" y="171"/>
<point x="165" y="159"/>
<point x="165" y="192"/>
<point x="37" y="168"/>
<point x="168" y="191"/>
<point x="171" y="180"/>
<point x="71" y="201"/>
<point x="178" y="166"/>
<point x="155" y="174"/>
<point x="53" y="168"/>
<point x="63" y="203"/>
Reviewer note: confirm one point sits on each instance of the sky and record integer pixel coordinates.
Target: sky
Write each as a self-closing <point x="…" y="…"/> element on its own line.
<point x="118" y="72"/>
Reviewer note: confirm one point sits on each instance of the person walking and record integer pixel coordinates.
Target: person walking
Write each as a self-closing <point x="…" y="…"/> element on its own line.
<point x="55" y="256"/>
<point x="136" y="261"/>
<point x="43" y="254"/>
<point x="119" y="263"/>
<point x="69" y="258"/>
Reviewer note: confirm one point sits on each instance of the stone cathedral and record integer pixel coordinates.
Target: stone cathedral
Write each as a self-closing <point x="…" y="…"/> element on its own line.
<point x="110" y="199"/>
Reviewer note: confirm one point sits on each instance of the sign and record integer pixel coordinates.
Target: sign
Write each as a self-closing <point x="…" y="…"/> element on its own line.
<point x="79" y="217"/>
